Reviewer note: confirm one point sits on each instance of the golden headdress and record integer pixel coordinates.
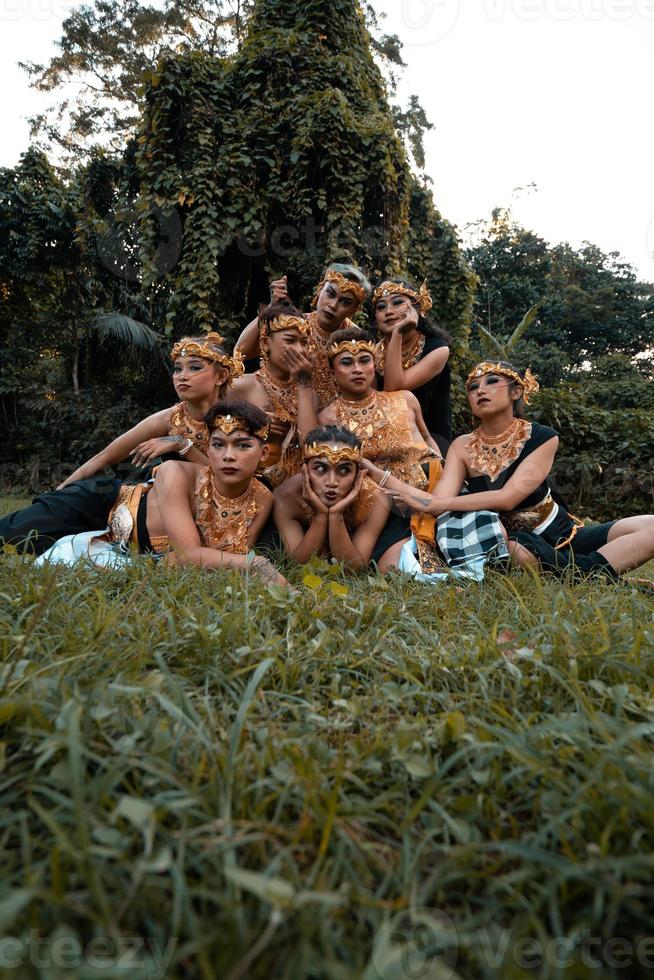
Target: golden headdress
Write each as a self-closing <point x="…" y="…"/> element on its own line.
<point x="528" y="383"/>
<point x="334" y="453"/>
<point x="388" y="288"/>
<point x="352" y="347"/>
<point x="211" y="349"/>
<point x="345" y="285"/>
<point x="232" y="423"/>
<point x="285" y="321"/>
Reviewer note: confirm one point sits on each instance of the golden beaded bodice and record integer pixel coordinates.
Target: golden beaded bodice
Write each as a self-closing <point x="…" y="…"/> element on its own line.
<point x="182" y="423"/>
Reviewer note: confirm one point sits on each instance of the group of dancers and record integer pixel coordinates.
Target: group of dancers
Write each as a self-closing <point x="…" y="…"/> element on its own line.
<point x="332" y="445"/>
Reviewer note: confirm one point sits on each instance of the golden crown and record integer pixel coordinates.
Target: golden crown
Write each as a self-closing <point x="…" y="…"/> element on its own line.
<point x="334" y="454"/>
<point x="287" y="322"/>
<point x="352" y="347"/>
<point x="422" y="297"/>
<point x="345" y="285"/>
<point x="232" y="423"/>
<point x="529" y="384"/>
<point x="211" y="350"/>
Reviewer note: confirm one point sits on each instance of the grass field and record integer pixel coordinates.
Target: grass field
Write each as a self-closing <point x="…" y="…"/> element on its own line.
<point x="203" y="777"/>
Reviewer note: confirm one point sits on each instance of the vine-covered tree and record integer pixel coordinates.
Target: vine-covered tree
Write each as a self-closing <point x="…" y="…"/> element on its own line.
<point x="280" y="159"/>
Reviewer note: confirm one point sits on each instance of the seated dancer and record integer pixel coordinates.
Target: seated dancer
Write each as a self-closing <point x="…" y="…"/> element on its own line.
<point x="388" y="423"/>
<point x="413" y="353"/>
<point x="506" y="463"/>
<point x="202" y="370"/>
<point x="331" y="508"/>
<point x="210" y="516"/>
<point x="284" y="330"/>
<point x="338" y="296"/>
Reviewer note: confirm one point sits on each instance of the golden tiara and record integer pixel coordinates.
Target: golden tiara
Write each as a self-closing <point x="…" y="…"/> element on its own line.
<point x="287" y="322"/>
<point x="345" y="285"/>
<point x="187" y="347"/>
<point x="334" y="454"/>
<point x="352" y="347"/>
<point x="232" y="423"/>
<point x="422" y="297"/>
<point x="529" y="384"/>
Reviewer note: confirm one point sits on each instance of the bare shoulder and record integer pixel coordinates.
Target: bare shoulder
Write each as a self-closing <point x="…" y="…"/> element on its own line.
<point x="328" y="414"/>
<point x="289" y="495"/>
<point x="410" y="399"/>
<point x="178" y="472"/>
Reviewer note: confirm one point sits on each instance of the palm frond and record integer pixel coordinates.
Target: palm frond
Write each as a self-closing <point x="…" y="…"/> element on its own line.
<point x="127" y="331"/>
<point x="522" y="327"/>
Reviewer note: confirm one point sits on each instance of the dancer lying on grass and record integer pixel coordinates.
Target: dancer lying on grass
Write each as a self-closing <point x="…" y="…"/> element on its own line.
<point x="338" y="296"/>
<point x="209" y="516"/>
<point x="505" y="464"/>
<point x="331" y="508"/>
<point x="412" y="353"/>
<point x="201" y="372"/>
<point x="283" y="331"/>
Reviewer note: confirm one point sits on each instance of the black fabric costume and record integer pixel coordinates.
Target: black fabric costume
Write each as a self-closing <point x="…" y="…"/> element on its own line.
<point x="434" y="395"/>
<point x="581" y="554"/>
<point x="81" y="506"/>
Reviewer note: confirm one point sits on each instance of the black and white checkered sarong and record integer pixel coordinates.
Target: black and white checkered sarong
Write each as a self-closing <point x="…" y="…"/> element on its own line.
<point x="469" y="539"/>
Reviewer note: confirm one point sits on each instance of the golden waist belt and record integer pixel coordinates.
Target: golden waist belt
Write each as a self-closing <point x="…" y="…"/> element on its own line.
<point x="527" y="520"/>
<point x="122" y="516"/>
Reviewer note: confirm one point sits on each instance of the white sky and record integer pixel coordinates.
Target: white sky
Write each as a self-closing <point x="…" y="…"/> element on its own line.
<point x="552" y="92"/>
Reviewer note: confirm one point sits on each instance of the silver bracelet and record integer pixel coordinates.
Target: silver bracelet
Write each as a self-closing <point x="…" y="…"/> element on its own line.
<point x="384" y="479"/>
<point x="187" y="447"/>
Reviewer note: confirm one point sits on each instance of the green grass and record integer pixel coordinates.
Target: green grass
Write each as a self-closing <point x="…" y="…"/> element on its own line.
<point x="8" y="504"/>
<point x="271" y="785"/>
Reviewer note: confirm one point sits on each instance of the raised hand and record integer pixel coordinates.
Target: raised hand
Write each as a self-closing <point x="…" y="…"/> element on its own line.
<point x="300" y="366"/>
<point x="279" y="290"/>
<point x="408" y="322"/>
<point x="310" y="495"/>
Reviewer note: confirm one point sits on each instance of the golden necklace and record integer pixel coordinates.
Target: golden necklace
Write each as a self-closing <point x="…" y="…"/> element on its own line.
<point x="223" y="522"/>
<point x="410" y="353"/>
<point x="182" y="423"/>
<point x="282" y="394"/>
<point x="492" y="454"/>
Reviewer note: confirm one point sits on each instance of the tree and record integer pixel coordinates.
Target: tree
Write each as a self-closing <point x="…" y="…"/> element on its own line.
<point x="590" y="304"/>
<point x="280" y="159"/>
<point x="106" y="49"/>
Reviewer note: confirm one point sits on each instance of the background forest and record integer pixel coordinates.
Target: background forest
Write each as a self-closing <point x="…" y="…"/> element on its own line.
<point x="214" y="145"/>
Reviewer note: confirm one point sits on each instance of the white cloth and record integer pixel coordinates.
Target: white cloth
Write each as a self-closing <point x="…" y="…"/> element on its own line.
<point x="89" y="546"/>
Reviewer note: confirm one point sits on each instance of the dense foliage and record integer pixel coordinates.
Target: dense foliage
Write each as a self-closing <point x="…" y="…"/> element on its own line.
<point x="259" y="786"/>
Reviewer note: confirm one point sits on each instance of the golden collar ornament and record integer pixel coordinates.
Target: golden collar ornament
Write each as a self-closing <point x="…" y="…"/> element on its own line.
<point x="492" y="454"/>
<point x="352" y="347"/>
<point x="232" y="423"/>
<point x="345" y="286"/>
<point x="187" y="347"/>
<point x="334" y="454"/>
<point x="529" y="384"/>
<point x="422" y="297"/>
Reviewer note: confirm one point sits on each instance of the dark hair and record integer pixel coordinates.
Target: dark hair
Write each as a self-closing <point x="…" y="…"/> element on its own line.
<point x="350" y="333"/>
<point x="333" y="433"/>
<point x="255" y="419"/>
<point x="281" y="308"/>
<point x="428" y="327"/>
<point x="519" y="404"/>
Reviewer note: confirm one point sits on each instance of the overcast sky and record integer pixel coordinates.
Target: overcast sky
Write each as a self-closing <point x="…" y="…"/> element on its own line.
<point x="550" y="92"/>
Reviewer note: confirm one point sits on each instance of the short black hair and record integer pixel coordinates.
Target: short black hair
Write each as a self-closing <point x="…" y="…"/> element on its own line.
<point x="333" y="433"/>
<point x="349" y="333"/>
<point x="255" y="419"/>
